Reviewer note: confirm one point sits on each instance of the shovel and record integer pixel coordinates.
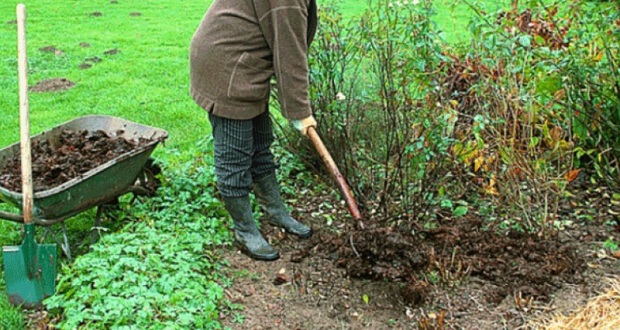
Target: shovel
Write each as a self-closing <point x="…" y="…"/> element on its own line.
<point x="30" y="268"/>
<point x="333" y="169"/>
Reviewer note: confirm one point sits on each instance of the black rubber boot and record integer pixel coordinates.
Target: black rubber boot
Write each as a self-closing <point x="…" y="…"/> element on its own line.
<point x="247" y="235"/>
<point x="267" y="193"/>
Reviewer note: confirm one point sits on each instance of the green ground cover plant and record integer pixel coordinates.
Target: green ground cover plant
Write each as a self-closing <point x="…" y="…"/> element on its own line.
<point x="161" y="271"/>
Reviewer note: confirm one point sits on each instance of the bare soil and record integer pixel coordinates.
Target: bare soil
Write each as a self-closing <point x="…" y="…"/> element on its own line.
<point x="51" y="49"/>
<point x="52" y="85"/>
<point x="88" y="62"/>
<point x="94" y="59"/>
<point x="75" y="153"/>
<point x="457" y="276"/>
<point x="111" y="52"/>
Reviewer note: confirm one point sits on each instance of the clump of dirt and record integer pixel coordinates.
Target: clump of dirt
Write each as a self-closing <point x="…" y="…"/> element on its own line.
<point x="51" y="49"/>
<point x="111" y="52"/>
<point x="86" y="65"/>
<point x="135" y="14"/>
<point x="96" y="14"/>
<point x="74" y="153"/>
<point x="84" y="44"/>
<point x="93" y="59"/>
<point x="518" y="261"/>
<point x="52" y="85"/>
<point x="11" y="22"/>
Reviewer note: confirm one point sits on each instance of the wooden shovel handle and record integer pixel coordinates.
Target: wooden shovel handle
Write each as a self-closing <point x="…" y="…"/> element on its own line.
<point x="27" y="193"/>
<point x="333" y="169"/>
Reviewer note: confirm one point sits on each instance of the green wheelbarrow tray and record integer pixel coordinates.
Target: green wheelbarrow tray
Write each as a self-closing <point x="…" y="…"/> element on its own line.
<point x="94" y="187"/>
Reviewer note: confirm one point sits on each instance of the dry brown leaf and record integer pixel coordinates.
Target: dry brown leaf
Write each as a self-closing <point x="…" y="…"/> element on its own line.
<point x="572" y="175"/>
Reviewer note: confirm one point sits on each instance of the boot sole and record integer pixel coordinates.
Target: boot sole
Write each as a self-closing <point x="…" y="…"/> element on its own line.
<point x="247" y="252"/>
<point x="308" y="235"/>
<point x="302" y="236"/>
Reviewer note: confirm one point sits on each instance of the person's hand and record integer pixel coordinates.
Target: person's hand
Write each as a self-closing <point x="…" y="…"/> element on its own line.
<point x="303" y="124"/>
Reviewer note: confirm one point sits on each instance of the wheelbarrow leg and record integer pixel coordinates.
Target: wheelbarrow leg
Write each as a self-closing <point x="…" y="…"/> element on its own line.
<point x="64" y="243"/>
<point x="95" y="230"/>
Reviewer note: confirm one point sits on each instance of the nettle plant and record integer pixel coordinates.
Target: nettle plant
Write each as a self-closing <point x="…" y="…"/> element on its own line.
<point x="373" y="90"/>
<point x="161" y="270"/>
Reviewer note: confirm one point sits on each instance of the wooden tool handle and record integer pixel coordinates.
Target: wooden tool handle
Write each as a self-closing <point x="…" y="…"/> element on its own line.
<point x="24" y="115"/>
<point x="333" y="169"/>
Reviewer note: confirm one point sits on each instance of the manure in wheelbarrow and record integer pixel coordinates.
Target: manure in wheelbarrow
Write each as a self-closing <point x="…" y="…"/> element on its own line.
<point x="74" y="153"/>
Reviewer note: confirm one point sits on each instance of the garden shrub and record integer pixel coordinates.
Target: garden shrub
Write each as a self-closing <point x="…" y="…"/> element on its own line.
<point x="509" y="119"/>
<point x="527" y="69"/>
<point x="374" y="109"/>
<point x="591" y="85"/>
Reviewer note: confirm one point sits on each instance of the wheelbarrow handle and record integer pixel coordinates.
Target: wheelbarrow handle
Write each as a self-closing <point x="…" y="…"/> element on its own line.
<point x="333" y="169"/>
<point x="24" y="115"/>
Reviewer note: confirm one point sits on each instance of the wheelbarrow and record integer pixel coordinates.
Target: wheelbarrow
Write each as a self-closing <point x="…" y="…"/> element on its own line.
<point x="132" y="172"/>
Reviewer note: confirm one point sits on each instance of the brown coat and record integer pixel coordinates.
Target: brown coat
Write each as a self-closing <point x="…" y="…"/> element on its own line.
<point x="241" y="44"/>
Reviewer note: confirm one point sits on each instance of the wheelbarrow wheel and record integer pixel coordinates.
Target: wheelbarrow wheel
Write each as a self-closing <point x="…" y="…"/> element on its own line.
<point x="154" y="168"/>
<point x="148" y="178"/>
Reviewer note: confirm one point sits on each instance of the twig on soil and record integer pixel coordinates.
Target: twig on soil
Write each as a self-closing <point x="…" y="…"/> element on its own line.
<point x="480" y="306"/>
<point x="353" y="246"/>
<point x="449" y="303"/>
<point x="228" y="294"/>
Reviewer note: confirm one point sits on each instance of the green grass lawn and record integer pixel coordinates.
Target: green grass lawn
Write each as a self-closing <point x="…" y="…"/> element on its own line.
<point x="146" y="82"/>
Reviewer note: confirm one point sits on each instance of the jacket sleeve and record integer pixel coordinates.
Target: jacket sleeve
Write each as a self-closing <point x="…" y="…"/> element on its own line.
<point x="285" y="27"/>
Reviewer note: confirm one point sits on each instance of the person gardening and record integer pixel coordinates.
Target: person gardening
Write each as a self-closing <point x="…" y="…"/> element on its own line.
<point x="238" y="47"/>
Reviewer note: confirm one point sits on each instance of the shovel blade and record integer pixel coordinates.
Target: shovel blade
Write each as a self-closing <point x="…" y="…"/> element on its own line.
<point x="28" y="285"/>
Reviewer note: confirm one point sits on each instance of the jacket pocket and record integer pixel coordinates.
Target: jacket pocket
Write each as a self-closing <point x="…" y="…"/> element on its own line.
<point x="250" y="79"/>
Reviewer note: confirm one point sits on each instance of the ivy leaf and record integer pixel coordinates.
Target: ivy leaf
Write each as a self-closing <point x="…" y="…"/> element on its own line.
<point x="525" y="41"/>
<point x="460" y="211"/>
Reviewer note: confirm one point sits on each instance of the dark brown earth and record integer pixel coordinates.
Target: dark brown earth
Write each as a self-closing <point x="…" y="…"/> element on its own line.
<point x="52" y="85"/>
<point x="12" y="22"/>
<point x="51" y="49"/>
<point x="75" y="153"/>
<point x="84" y="44"/>
<point x="135" y="14"/>
<point x="456" y="276"/>
<point x="93" y="59"/>
<point x="111" y="52"/>
<point x="87" y="65"/>
<point x="96" y="14"/>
